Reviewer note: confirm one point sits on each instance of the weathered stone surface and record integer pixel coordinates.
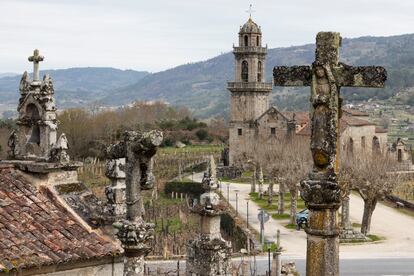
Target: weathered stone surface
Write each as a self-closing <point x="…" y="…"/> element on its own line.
<point x="138" y="150"/>
<point x="209" y="254"/>
<point x="322" y="192"/>
<point x="231" y="172"/>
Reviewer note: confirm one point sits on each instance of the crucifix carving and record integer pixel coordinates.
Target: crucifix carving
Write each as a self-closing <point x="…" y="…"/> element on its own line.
<point x="36" y="59"/>
<point x="321" y="191"/>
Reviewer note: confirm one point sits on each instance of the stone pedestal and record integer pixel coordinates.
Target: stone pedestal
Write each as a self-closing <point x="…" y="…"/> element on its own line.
<point x="276" y="264"/>
<point x="209" y="254"/>
<point x="115" y="193"/>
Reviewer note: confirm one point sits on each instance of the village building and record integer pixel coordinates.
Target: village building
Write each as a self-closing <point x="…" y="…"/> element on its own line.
<point x="49" y="220"/>
<point x="251" y="114"/>
<point x="252" y="119"/>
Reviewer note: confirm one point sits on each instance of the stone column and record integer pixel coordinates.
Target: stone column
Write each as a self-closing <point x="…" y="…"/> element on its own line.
<point x="115" y="193"/>
<point x="276" y="264"/>
<point x="133" y="232"/>
<point x="209" y="254"/>
<point x="345" y="221"/>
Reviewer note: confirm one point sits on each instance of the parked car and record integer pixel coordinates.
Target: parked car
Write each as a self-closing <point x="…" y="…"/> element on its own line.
<point x="302" y="219"/>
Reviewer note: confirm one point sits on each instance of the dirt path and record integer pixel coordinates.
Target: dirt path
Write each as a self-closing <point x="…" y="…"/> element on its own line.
<point x="397" y="228"/>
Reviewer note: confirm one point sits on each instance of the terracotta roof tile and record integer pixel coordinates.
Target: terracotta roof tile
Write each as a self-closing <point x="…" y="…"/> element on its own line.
<point x="36" y="231"/>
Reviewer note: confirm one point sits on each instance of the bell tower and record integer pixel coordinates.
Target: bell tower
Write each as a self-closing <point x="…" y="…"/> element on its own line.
<point x="249" y="91"/>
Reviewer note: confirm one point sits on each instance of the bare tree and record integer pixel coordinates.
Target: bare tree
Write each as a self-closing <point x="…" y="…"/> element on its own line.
<point x="373" y="177"/>
<point x="288" y="160"/>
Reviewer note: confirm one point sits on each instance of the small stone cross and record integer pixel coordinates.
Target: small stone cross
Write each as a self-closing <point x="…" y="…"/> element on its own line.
<point x="250" y="11"/>
<point x="36" y="58"/>
<point x="321" y="191"/>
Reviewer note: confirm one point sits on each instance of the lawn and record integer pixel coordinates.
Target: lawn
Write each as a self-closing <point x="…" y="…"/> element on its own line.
<point x="272" y="209"/>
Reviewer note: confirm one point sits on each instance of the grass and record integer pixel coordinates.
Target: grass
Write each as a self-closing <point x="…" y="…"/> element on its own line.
<point x="280" y="216"/>
<point x="192" y="149"/>
<point x="270" y="245"/>
<point x="290" y="226"/>
<point x="375" y="238"/>
<point x="273" y="207"/>
<point x="356" y="225"/>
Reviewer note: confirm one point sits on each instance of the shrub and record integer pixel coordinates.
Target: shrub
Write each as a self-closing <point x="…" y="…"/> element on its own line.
<point x="201" y="134"/>
<point x="193" y="188"/>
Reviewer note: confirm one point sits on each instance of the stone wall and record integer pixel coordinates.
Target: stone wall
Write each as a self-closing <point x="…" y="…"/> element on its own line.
<point x="230" y="172"/>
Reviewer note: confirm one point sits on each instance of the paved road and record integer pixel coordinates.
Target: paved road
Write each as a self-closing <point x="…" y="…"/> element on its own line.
<point x="398" y="228"/>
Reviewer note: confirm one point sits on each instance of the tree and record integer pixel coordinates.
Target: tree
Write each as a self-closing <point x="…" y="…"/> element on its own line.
<point x="288" y="160"/>
<point x="373" y="177"/>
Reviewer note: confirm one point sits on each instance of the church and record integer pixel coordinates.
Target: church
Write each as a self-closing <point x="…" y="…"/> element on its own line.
<point x="253" y="119"/>
<point x="251" y="114"/>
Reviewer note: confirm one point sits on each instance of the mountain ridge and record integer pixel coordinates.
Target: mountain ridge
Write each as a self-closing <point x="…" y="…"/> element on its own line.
<point x="201" y="86"/>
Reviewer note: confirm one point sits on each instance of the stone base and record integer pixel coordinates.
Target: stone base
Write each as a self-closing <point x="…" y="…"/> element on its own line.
<point x="43" y="167"/>
<point x="230" y="172"/>
<point x="208" y="257"/>
<point x="289" y="269"/>
<point x="351" y="235"/>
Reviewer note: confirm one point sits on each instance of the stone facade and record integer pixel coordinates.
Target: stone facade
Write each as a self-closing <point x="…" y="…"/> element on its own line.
<point x="37" y="123"/>
<point x="249" y="92"/>
<point x="402" y="153"/>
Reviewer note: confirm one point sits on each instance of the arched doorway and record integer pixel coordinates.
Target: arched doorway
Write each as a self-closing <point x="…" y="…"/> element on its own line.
<point x="32" y="113"/>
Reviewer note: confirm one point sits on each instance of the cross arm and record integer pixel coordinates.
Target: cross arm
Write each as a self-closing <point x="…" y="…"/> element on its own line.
<point x="292" y="76"/>
<point x="361" y="76"/>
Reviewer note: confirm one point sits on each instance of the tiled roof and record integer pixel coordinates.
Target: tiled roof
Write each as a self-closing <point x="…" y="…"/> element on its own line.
<point x="305" y="131"/>
<point x="345" y="121"/>
<point x="353" y="121"/>
<point x="36" y="231"/>
<point x="380" y="130"/>
<point x="354" y="112"/>
<point x="301" y="117"/>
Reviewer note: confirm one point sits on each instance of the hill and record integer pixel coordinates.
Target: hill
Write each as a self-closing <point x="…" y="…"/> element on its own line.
<point x="201" y="86"/>
<point x="75" y="86"/>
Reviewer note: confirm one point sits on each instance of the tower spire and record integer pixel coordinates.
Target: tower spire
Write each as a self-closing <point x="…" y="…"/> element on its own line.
<point x="250" y="11"/>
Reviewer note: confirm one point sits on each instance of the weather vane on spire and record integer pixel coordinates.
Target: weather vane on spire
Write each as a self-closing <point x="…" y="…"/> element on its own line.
<point x="250" y="11"/>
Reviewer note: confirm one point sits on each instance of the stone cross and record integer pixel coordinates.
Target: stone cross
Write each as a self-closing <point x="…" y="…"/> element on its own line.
<point x="36" y="59"/>
<point x="321" y="191"/>
<point x="250" y="10"/>
<point x="134" y="233"/>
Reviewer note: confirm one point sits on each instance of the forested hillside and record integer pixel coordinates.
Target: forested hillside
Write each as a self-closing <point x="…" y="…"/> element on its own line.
<point x="201" y="86"/>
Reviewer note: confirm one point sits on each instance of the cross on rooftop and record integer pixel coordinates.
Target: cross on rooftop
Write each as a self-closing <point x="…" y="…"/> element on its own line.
<point x="250" y="11"/>
<point x="36" y="58"/>
<point x="321" y="191"/>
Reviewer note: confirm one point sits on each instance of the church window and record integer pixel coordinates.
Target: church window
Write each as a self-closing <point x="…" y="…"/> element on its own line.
<point x="258" y="40"/>
<point x="351" y="146"/>
<point x="399" y="155"/>
<point x="376" y="145"/>
<point x="246" y="40"/>
<point x="239" y="131"/>
<point x="273" y="130"/>
<point x="363" y="142"/>
<point x="245" y="71"/>
<point x="259" y="71"/>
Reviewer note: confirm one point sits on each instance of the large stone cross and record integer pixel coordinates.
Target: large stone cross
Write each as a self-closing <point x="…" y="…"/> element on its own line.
<point x="321" y="191"/>
<point x="36" y="59"/>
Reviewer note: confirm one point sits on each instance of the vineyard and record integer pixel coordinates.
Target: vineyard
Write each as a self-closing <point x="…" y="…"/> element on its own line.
<point x="175" y="225"/>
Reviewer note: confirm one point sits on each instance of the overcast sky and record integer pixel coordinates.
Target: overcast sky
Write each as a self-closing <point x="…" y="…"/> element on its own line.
<point x="154" y="35"/>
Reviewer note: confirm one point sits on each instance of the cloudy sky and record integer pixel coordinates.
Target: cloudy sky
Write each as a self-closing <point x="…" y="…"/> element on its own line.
<point x="155" y="35"/>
